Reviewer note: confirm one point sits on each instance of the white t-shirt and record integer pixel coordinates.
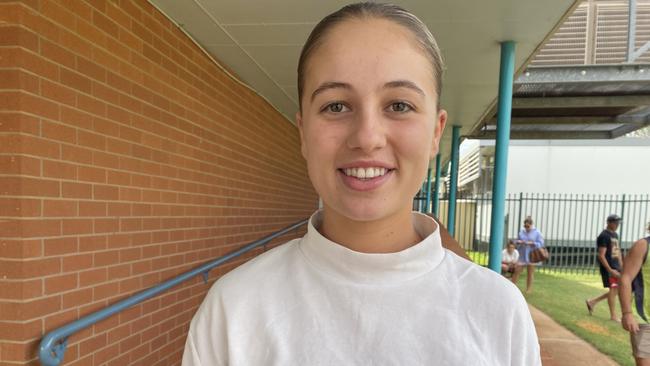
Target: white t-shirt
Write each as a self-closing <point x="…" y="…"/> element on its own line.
<point x="510" y="258"/>
<point x="314" y="302"/>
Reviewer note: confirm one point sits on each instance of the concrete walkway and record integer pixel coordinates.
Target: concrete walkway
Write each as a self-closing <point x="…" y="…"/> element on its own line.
<point x="562" y="348"/>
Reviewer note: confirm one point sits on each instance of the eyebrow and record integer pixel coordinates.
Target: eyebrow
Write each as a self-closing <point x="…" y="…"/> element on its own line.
<point x="389" y="85"/>
<point x="329" y="85"/>
<point x="404" y="84"/>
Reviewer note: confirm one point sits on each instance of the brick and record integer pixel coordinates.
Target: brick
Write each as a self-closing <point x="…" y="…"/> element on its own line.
<point x="92" y="243"/>
<point x="40" y="228"/>
<point x="30" y="309"/>
<point x="108" y="225"/>
<point x="58" y="93"/>
<point x="60" y="319"/>
<point x="119" y="271"/>
<point x="18" y="249"/>
<point x="76" y="262"/>
<point x="75" y="43"/>
<point x="91" y="33"/>
<point x="59" y="246"/>
<point x="39" y="106"/>
<point x="26" y="186"/>
<point x="37" y="64"/>
<point x="60" y="170"/>
<point x="90" y="174"/>
<point x="105" y="93"/>
<point x="105" y="291"/>
<point x="76" y="298"/>
<point x="58" y="14"/>
<point x="59" y="208"/>
<point x="76" y="154"/>
<point x="106" y="258"/>
<point x="91" y="105"/>
<point x="91" y="69"/>
<point x="105" y="192"/>
<point x="104" y="23"/>
<point x="19" y="207"/>
<point x="31" y="145"/>
<point x="90" y="208"/>
<point x="76" y="190"/>
<point x="17" y="36"/>
<point x="61" y="283"/>
<point x="77" y="226"/>
<point x="75" y="80"/>
<point x="18" y="122"/>
<point x="58" y="54"/>
<point x="18" y="79"/>
<point x="119" y="209"/>
<point x="92" y="277"/>
<point x="14" y="163"/>
<point x="21" y="290"/>
<point x="12" y="331"/>
<point x="76" y="118"/>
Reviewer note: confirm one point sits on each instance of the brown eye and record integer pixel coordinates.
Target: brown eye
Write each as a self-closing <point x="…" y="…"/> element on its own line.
<point x="400" y="107"/>
<point x="335" y="107"/>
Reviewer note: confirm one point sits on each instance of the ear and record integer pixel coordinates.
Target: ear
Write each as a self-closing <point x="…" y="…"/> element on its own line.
<point x="301" y="130"/>
<point x="441" y="122"/>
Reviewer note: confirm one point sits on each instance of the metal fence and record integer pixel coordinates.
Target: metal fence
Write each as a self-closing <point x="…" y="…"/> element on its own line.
<point x="569" y="223"/>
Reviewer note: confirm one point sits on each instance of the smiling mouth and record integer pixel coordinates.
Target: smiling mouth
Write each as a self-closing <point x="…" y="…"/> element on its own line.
<point x="365" y="173"/>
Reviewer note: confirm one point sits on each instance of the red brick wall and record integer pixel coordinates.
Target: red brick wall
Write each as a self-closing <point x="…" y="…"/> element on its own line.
<point x="126" y="157"/>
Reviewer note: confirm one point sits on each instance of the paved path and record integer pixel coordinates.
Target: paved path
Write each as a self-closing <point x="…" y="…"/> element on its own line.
<point x="562" y="348"/>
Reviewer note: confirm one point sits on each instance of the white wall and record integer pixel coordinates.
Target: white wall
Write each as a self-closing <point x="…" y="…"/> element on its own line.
<point x="558" y="167"/>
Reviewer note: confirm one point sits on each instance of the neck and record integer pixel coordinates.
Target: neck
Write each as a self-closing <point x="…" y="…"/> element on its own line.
<point x="387" y="235"/>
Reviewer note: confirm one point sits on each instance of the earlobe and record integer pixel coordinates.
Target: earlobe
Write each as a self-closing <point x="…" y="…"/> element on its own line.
<point x="441" y="122"/>
<point x="301" y="130"/>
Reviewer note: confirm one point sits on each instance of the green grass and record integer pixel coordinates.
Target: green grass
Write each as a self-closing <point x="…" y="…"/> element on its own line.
<point x="562" y="296"/>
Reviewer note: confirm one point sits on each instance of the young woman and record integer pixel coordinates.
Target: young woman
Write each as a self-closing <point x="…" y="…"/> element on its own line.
<point x="370" y="283"/>
<point x="529" y="239"/>
<point x="635" y="261"/>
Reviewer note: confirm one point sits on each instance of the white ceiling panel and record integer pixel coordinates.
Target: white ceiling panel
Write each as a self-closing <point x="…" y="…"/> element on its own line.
<point x="261" y="40"/>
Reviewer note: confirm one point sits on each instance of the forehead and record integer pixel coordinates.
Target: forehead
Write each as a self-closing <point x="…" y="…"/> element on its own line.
<point x="370" y="47"/>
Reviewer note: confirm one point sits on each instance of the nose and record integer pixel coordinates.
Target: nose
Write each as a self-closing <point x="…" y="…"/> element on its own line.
<point x="367" y="131"/>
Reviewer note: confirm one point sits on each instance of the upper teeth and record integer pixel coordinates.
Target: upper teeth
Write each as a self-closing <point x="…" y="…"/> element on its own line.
<point x="365" y="173"/>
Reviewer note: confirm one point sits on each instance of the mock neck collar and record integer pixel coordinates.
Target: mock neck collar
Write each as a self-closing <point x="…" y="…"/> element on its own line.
<point x="375" y="268"/>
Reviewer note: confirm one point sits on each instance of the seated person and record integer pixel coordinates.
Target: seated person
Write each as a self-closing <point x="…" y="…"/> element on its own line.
<point x="509" y="258"/>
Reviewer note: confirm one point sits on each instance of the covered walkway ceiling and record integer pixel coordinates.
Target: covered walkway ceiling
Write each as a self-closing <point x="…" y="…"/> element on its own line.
<point x="260" y="42"/>
<point x="576" y="102"/>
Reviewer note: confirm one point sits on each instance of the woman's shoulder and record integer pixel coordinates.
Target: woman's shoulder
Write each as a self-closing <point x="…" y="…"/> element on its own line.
<point x="481" y="282"/>
<point x="259" y="270"/>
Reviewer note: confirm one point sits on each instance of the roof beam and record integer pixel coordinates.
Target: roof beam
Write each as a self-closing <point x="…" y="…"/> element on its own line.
<point x="586" y="74"/>
<point x="582" y="102"/>
<point x="548" y="135"/>
<point x="559" y="120"/>
<point x="627" y="129"/>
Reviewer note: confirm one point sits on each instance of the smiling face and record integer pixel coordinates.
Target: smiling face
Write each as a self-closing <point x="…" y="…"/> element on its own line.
<point x="368" y="122"/>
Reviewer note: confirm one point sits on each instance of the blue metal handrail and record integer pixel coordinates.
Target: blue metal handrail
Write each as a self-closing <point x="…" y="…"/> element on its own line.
<point x="54" y="343"/>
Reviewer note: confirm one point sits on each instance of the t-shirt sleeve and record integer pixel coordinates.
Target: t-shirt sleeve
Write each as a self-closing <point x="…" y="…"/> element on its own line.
<point x="603" y="240"/>
<point x="525" y="345"/>
<point x="206" y="343"/>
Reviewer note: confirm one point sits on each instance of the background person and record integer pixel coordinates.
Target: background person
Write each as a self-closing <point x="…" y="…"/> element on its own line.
<point x="529" y="239"/>
<point x="509" y="258"/>
<point x="610" y="264"/>
<point x="635" y="261"/>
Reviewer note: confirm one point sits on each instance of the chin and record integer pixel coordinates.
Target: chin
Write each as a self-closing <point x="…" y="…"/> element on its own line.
<point x="365" y="212"/>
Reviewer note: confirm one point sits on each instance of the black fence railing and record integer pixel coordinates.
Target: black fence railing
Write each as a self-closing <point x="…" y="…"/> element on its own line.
<point x="570" y="224"/>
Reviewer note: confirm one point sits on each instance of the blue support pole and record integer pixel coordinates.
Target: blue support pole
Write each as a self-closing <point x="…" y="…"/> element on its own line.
<point x="436" y="188"/>
<point x="506" y="76"/>
<point x="453" y="181"/>
<point x="427" y="207"/>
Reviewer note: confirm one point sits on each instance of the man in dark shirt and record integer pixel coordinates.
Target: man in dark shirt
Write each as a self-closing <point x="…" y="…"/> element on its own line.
<point x="610" y="263"/>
